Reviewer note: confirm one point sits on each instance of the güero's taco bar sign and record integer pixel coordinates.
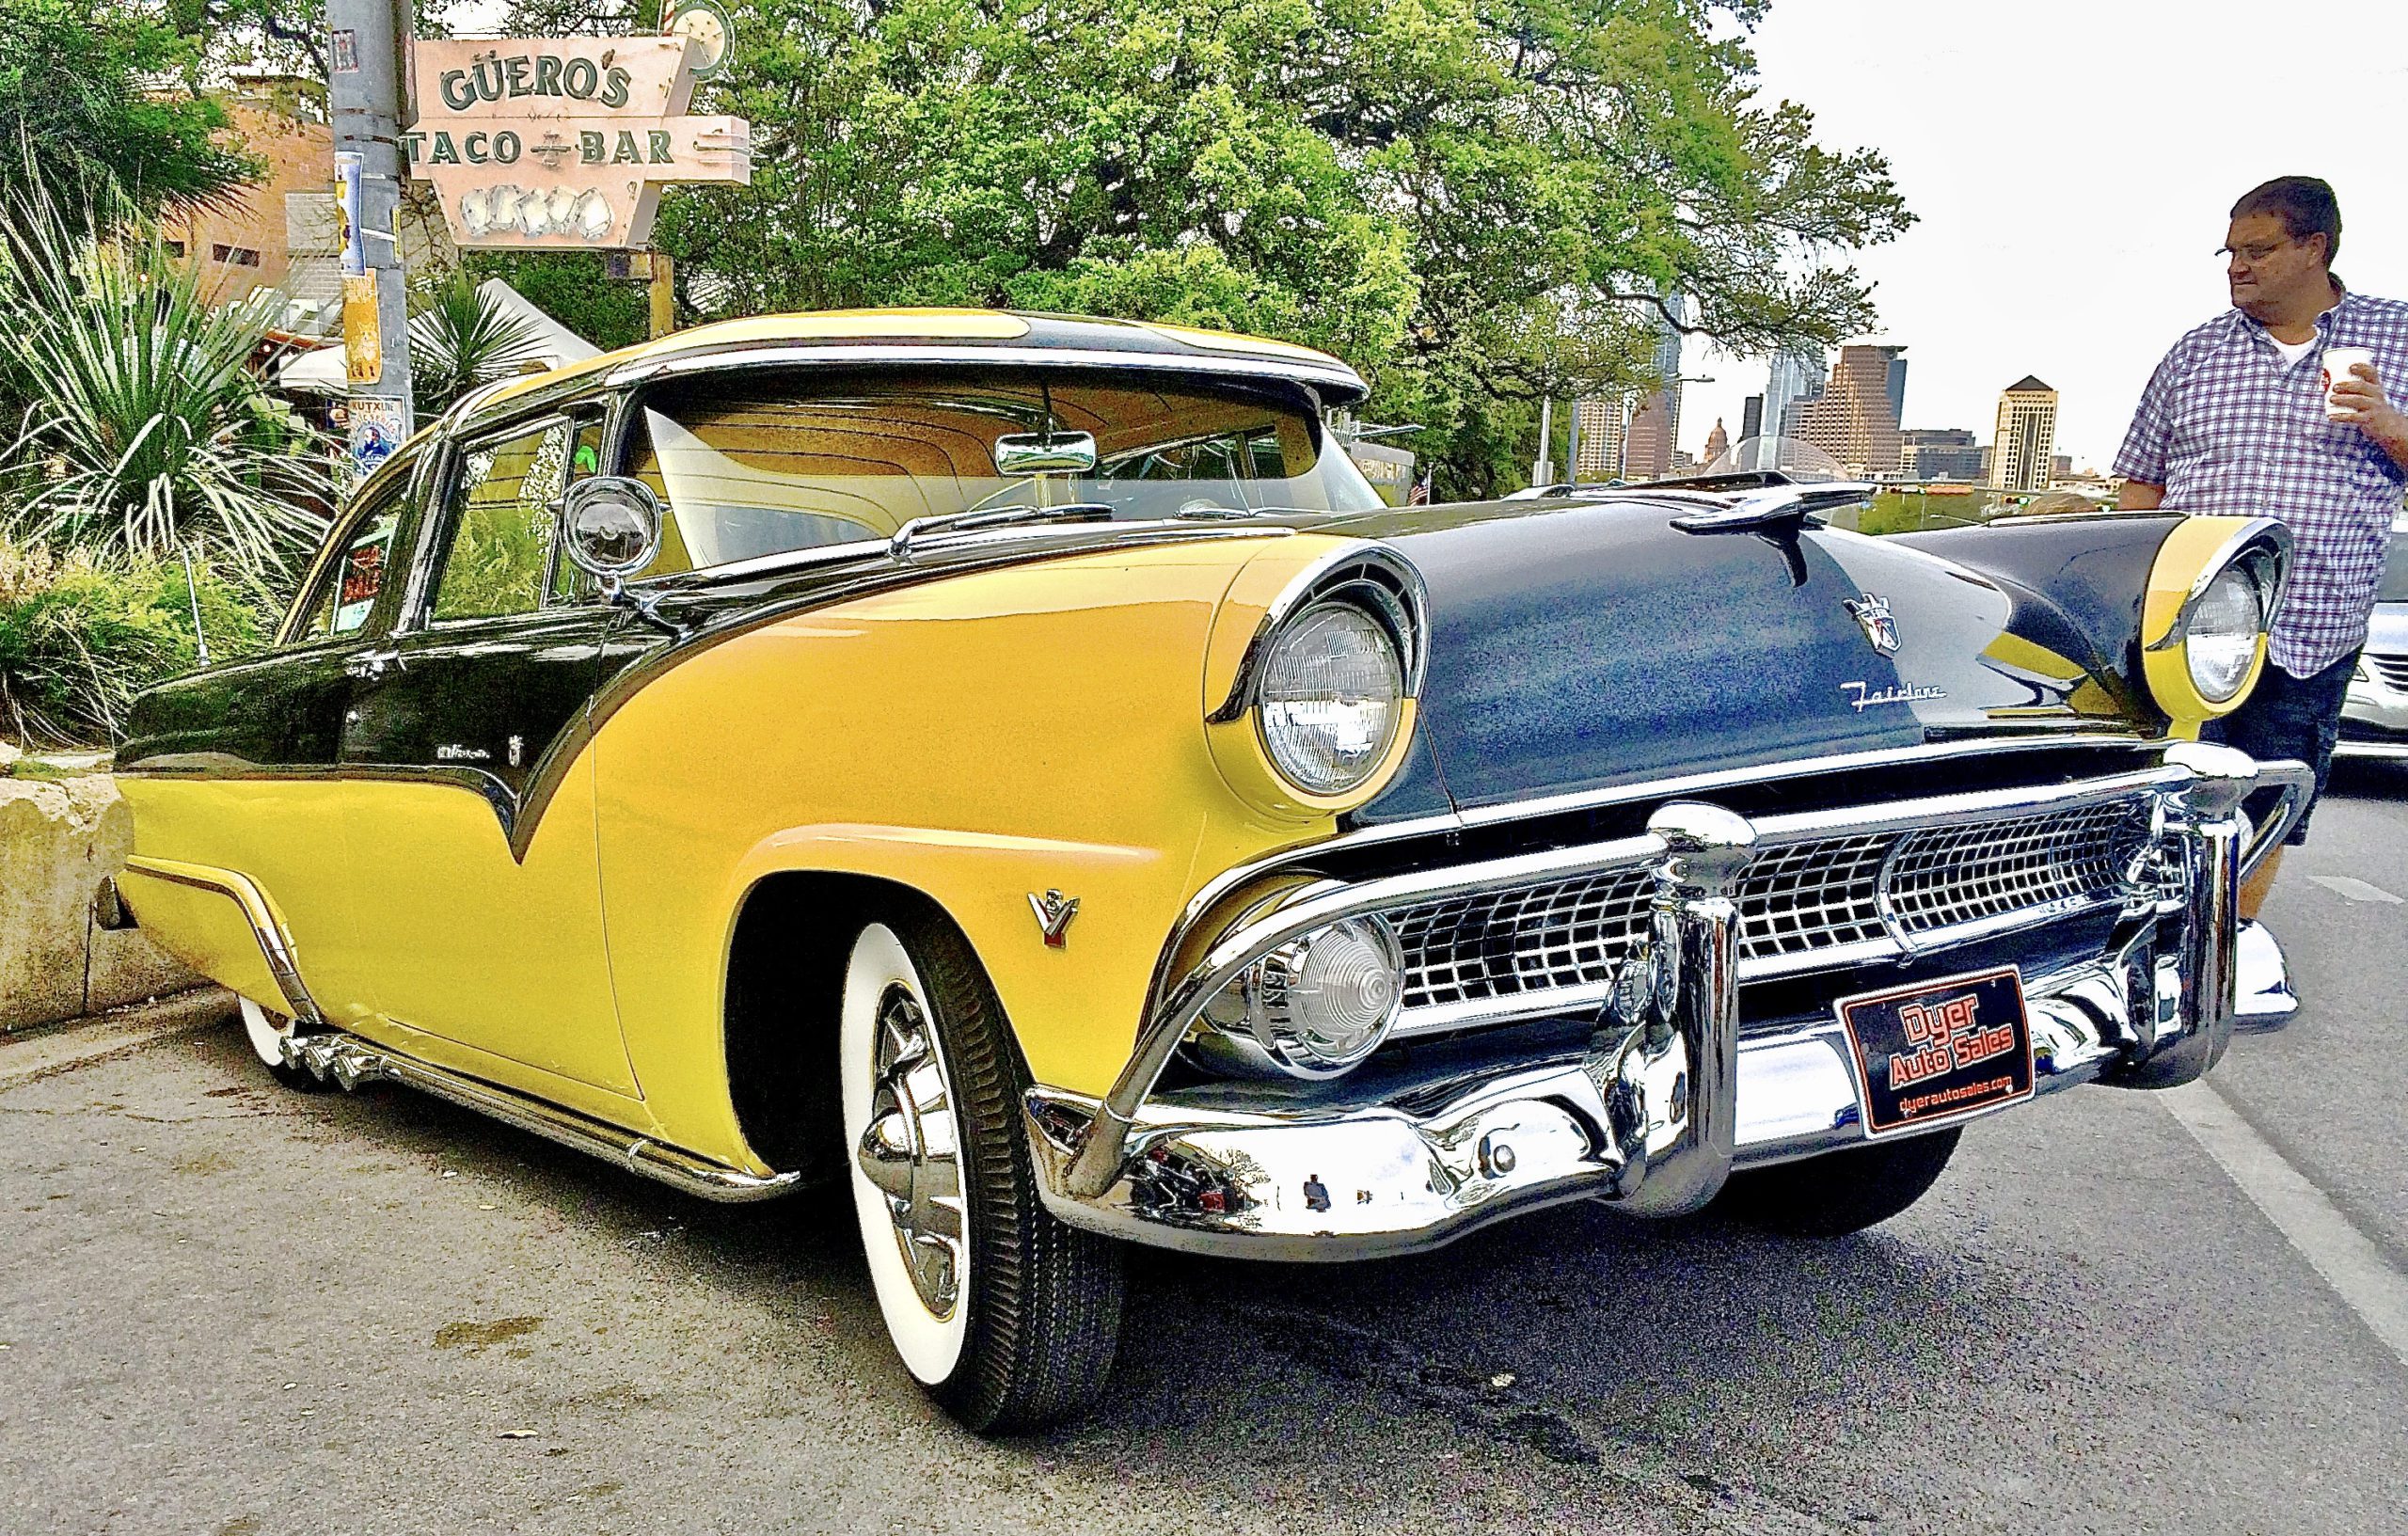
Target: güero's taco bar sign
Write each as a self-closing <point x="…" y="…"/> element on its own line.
<point x="563" y="143"/>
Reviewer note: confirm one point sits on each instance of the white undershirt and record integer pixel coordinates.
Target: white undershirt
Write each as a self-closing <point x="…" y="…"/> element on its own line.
<point x="2292" y="351"/>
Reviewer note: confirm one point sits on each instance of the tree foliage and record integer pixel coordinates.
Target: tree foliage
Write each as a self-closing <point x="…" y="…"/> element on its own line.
<point x="98" y="110"/>
<point x="1475" y="202"/>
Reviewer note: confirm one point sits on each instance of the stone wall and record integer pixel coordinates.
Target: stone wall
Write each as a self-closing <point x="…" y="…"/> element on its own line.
<point x="64" y="952"/>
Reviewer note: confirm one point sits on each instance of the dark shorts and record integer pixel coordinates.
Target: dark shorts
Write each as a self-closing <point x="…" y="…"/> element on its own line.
<point x="2290" y="717"/>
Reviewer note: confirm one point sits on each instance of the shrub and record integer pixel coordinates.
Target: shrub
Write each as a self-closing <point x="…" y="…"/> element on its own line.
<point x="79" y="634"/>
<point x="147" y="432"/>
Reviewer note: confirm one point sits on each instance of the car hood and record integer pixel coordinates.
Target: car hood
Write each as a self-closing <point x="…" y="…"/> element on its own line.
<point x="1582" y="646"/>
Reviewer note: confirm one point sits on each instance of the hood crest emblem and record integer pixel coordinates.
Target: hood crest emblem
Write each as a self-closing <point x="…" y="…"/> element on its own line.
<point x="1872" y="616"/>
<point x="1054" y="913"/>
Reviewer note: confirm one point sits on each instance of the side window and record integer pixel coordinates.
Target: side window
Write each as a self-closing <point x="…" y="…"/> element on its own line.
<point x="503" y="516"/>
<point x="347" y="591"/>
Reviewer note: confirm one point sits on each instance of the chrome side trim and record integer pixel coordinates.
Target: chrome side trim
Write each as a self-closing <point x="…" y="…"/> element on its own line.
<point x="2372" y="751"/>
<point x="351" y="1061"/>
<point x="275" y="947"/>
<point x="1409" y="611"/>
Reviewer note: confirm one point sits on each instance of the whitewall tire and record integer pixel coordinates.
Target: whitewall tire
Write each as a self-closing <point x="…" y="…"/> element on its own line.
<point x="267" y="1033"/>
<point x="1007" y="1316"/>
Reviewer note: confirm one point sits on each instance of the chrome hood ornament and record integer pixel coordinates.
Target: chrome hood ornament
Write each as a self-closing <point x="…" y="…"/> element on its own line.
<point x="1871" y="614"/>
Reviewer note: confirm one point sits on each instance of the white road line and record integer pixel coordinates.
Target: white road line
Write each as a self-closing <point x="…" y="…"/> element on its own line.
<point x="2342" y="885"/>
<point x="2353" y="1266"/>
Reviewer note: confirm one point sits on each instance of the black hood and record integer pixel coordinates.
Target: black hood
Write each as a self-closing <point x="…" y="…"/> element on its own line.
<point x="1584" y="645"/>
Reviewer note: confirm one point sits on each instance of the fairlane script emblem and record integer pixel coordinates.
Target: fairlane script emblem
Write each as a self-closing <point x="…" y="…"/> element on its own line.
<point x="1864" y="695"/>
<point x="1873" y="614"/>
<point x="1054" y="913"/>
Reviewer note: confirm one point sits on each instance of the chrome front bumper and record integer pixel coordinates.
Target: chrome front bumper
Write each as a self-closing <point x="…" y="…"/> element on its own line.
<point x="1664" y="1099"/>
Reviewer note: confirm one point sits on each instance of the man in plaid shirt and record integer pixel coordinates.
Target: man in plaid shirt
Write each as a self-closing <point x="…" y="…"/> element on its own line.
<point x="2234" y="422"/>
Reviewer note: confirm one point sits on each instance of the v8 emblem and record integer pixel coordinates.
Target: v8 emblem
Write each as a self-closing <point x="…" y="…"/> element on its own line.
<point x="1054" y="913"/>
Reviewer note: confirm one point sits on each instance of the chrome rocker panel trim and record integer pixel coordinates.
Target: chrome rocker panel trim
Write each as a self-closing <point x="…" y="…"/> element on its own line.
<point x="1647" y="1118"/>
<point x="348" y="1060"/>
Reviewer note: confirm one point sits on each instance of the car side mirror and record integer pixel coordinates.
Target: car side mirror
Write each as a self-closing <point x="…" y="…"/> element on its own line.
<point x="1045" y="453"/>
<point x="611" y="528"/>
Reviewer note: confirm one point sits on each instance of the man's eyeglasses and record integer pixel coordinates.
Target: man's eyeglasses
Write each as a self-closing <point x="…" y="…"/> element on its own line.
<point x="2253" y="253"/>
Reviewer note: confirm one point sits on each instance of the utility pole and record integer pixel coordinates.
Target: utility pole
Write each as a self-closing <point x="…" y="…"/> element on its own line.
<point x="368" y="68"/>
<point x="1543" y="472"/>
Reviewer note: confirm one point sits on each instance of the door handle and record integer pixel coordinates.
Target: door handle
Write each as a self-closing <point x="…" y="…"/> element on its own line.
<point x="372" y="664"/>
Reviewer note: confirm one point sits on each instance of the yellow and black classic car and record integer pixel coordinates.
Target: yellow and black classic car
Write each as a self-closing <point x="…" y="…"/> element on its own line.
<point x="1016" y="765"/>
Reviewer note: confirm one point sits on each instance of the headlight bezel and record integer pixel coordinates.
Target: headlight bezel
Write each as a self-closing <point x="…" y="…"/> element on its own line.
<point x="1383" y="587"/>
<point x="2197" y="555"/>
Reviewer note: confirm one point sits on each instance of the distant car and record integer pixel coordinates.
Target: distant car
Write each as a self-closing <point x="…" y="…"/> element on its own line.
<point x="2374" y="717"/>
<point x="1015" y="766"/>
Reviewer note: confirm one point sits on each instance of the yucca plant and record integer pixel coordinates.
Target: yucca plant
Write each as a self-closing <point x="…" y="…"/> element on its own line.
<point x="460" y="338"/>
<point x="146" y="432"/>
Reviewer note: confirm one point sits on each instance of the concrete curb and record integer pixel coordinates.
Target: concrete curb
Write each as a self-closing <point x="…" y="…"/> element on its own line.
<point x="30" y="1053"/>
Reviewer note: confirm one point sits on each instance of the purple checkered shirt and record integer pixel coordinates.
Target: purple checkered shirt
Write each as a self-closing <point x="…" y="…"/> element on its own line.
<point x="2229" y="430"/>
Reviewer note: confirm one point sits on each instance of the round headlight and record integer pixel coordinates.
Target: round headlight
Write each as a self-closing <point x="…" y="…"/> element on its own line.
<point x="1332" y="692"/>
<point x="2220" y="638"/>
<point x="1313" y="1007"/>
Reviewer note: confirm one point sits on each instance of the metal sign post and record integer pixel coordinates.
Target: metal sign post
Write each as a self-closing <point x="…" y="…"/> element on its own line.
<point x="364" y="91"/>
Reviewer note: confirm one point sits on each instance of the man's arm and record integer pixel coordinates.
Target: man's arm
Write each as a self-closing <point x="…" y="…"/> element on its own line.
<point x="2139" y="495"/>
<point x="2360" y="400"/>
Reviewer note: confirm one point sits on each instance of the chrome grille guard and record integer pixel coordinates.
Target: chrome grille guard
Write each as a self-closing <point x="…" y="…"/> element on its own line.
<point x="2194" y="787"/>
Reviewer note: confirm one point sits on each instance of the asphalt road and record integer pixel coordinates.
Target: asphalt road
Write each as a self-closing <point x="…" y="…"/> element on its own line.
<point x="227" y="1309"/>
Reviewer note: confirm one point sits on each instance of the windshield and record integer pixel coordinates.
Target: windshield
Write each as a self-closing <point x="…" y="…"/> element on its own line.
<point x="2395" y="573"/>
<point x="747" y="466"/>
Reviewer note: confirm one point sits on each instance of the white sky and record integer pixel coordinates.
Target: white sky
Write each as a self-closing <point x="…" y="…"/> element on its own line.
<point x="2071" y="162"/>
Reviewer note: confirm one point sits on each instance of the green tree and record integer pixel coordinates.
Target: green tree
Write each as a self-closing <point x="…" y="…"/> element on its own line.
<point x="1477" y="202"/>
<point x="98" y="110"/>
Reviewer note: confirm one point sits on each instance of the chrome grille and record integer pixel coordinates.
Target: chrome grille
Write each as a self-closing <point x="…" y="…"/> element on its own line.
<point x="2393" y="670"/>
<point x="1945" y="876"/>
<point x="1797" y="901"/>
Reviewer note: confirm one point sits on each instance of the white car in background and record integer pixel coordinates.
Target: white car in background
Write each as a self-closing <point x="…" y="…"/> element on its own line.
<point x="2374" y="719"/>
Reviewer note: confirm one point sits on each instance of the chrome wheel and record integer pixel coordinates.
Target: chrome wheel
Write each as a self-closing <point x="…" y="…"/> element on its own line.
<point x="911" y="1153"/>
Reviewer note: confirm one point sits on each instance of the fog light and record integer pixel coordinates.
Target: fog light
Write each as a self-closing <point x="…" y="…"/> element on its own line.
<point x="1313" y="1007"/>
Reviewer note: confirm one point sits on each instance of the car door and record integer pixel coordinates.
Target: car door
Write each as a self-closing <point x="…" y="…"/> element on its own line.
<point x="237" y="767"/>
<point x="478" y="880"/>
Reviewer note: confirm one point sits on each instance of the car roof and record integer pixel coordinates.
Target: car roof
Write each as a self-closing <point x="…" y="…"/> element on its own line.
<point x="947" y="336"/>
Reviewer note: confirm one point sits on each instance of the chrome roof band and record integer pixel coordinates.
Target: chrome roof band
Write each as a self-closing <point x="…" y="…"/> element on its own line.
<point x="1340" y="383"/>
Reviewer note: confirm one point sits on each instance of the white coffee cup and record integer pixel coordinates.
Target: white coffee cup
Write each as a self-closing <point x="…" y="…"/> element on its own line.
<point x="2337" y="363"/>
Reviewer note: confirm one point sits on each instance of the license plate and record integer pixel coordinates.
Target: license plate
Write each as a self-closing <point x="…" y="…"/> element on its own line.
<point x="1939" y="1051"/>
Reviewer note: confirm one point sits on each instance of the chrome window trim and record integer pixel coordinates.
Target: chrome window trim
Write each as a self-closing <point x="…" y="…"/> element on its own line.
<point x="1348" y="384"/>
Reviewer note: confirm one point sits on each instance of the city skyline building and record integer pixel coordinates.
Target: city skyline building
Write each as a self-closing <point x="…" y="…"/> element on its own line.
<point x="1940" y="454"/>
<point x="1601" y="421"/>
<point x="1751" y="418"/>
<point x="2025" y="447"/>
<point x="1792" y="376"/>
<point x="1717" y="443"/>
<point x="1856" y="420"/>
<point x="1655" y="433"/>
